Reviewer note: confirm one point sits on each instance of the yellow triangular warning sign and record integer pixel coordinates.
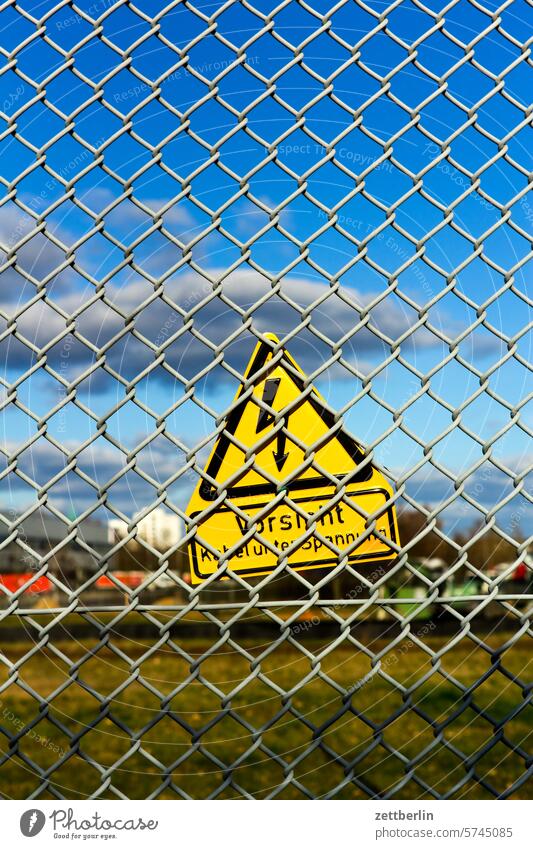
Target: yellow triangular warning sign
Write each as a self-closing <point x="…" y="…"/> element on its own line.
<point x="281" y="446"/>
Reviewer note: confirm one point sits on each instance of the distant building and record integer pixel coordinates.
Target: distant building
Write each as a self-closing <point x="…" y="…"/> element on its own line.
<point x="40" y="533"/>
<point x="160" y="529"/>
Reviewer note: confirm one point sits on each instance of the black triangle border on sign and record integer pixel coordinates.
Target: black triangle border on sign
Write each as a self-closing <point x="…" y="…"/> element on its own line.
<point x="209" y="492"/>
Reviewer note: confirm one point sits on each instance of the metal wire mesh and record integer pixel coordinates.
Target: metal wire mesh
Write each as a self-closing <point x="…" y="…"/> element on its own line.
<point x="110" y="291"/>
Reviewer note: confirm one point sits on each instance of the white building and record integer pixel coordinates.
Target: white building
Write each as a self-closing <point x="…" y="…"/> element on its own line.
<point x="160" y="529"/>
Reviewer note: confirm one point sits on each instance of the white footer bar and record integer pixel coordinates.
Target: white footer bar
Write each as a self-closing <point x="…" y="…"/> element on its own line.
<point x="259" y="825"/>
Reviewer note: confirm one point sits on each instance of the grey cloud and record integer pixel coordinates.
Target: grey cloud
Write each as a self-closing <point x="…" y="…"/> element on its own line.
<point x="215" y="321"/>
<point x="100" y="462"/>
<point x="488" y="485"/>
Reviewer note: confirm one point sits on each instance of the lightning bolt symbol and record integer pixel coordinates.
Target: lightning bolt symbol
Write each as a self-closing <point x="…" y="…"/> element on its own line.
<point x="33" y="820"/>
<point x="265" y="419"/>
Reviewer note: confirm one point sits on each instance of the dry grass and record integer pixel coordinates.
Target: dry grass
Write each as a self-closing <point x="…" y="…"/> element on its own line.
<point x="401" y="732"/>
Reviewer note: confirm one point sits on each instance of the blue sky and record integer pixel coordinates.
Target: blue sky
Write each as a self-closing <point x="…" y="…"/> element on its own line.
<point x="109" y="134"/>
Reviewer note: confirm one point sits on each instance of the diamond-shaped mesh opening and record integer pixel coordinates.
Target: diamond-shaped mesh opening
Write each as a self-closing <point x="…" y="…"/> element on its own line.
<point x="166" y="740"/>
<point x="105" y="743"/>
<point x="288" y="738"/>
<point x="198" y="776"/>
<point x="500" y="768"/>
<point x="380" y="770"/>
<point x="136" y="771"/>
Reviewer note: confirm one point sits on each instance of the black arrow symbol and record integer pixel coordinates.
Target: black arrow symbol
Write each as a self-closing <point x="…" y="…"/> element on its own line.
<point x="279" y="454"/>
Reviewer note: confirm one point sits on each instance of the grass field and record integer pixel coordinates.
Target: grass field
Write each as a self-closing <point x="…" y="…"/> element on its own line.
<point x="401" y="743"/>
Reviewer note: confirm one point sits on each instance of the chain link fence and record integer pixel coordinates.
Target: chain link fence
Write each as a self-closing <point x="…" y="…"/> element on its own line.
<point x="178" y="184"/>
